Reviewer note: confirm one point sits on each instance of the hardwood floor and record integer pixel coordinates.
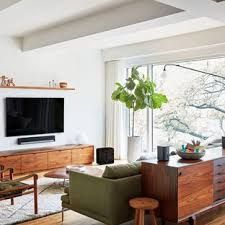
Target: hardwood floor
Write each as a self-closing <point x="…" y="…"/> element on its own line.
<point x="216" y="217"/>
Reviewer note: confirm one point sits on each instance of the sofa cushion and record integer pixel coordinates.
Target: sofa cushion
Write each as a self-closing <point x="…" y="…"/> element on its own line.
<point x="66" y="190"/>
<point x="122" y="170"/>
<point x="9" y="186"/>
<point x="65" y="199"/>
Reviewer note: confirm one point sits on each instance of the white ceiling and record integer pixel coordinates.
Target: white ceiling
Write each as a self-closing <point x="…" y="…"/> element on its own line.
<point x="30" y="15"/>
<point x="56" y="22"/>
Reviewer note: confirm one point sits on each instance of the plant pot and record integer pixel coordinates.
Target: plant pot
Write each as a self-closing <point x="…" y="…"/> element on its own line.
<point x="134" y="148"/>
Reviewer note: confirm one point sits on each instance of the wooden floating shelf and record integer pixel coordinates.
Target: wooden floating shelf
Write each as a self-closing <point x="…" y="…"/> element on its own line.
<point x="38" y="88"/>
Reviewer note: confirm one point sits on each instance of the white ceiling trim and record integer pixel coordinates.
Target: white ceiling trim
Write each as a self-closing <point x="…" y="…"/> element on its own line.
<point x="200" y="8"/>
<point x="126" y="15"/>
<point x="191" y="41"/>
<point x="7" y="3"/>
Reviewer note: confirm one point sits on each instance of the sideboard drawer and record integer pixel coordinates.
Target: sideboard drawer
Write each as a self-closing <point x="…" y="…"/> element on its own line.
<point x="11" y="162"/>
<point x="83" y="155"/>
<point x="219" y="179"/>
<point x="59" y="159"/>
<point x="34" y="162"/>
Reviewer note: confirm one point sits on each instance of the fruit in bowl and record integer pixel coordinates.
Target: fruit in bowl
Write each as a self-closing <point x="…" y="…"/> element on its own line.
<point x="192" y="150"/>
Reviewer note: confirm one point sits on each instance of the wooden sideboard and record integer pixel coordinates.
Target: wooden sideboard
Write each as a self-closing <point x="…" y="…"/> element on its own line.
<point x="186" y="188"/>
<point x="38" y="159"/>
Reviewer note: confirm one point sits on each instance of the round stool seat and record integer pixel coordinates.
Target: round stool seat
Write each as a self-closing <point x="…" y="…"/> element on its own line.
<point x="144" y="203"/>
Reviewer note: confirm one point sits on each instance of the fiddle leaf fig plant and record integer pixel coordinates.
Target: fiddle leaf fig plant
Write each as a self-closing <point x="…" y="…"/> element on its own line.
<point x="138" y="93"/>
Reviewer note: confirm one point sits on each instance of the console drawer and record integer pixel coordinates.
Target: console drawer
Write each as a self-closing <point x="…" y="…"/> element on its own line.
<point x="219" y="179"/>
<point x="59" y="159"/>
<point x="34" y="162"/>
<point x="11" y="162"/>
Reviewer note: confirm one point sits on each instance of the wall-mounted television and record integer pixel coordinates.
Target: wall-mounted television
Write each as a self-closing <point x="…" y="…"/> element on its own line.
<point x="29" y="116"/>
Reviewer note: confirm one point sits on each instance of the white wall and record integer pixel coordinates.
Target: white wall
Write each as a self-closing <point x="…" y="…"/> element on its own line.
<point x="82" y="69"/>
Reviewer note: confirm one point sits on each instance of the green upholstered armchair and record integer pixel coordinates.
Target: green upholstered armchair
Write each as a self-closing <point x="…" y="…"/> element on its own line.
<point x="103" y="199"/>
<point x="11" y="188"/>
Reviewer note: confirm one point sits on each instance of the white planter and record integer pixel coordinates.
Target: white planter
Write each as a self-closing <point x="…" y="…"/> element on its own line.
<point x="134" y="148"/>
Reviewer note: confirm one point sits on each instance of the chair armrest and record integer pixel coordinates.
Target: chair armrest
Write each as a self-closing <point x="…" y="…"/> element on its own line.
<point x="35" y="176"/>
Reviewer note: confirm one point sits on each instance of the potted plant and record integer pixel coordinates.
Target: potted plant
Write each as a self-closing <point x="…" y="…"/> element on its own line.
<point x="137" y="93"/>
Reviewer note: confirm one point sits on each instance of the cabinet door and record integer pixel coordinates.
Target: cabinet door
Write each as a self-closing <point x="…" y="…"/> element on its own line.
<point x="34" y="162"/>
<point x="12" y="162"/>
<point x="195" y="188"/>
<point x="83" y="155"/>
<point x="59" y="158"/>
<point x="87" y="155"/>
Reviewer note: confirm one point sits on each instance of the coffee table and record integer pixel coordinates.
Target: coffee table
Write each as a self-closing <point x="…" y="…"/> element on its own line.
<point x="62" y="173"/>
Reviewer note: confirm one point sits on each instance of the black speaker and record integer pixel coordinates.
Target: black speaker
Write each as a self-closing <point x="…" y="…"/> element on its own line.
<point x="34" y="140"/>
<point x="105" y="155"/>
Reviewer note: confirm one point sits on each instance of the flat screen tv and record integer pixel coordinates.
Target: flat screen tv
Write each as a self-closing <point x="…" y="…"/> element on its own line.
<point x="28" y="116"/>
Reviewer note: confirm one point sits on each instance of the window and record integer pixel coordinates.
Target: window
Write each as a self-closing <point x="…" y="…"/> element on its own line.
<point x="196" y="108"/>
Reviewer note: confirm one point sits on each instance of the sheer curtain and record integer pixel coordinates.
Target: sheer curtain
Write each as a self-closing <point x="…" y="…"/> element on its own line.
<point x="116" y="119"/>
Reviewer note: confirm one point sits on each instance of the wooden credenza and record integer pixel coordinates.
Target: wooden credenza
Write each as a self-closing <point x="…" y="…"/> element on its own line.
<point x="39" y="159"/>
<point x="186" y="188"/>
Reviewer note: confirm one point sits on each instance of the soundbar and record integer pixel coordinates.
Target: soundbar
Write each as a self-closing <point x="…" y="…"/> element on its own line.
<point x="35" y="140"/>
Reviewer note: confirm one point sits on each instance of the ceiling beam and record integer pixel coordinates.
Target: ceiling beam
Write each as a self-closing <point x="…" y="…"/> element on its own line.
<point x="201" y="8"/>
<point x="7" y="3"/>
<point x="185" y="42"/>
<point x="134" y="12"/>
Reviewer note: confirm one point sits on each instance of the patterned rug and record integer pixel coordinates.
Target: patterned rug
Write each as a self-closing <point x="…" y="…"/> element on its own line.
<point x="50" y="191"/>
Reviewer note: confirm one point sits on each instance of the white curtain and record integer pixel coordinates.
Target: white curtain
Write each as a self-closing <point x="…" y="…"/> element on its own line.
<point x="116" y="119"/>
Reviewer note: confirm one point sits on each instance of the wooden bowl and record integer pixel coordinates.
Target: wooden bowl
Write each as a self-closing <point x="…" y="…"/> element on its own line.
<point x="63" y="85"/>
<point x="191" y="156"/>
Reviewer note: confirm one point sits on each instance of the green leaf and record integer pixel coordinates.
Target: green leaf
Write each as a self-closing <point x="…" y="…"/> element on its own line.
<point x="158" y="100"/>
<point x="130" y="85"/>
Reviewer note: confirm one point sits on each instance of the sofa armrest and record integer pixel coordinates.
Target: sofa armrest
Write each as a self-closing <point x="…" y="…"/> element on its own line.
<point x="104" y="197"/>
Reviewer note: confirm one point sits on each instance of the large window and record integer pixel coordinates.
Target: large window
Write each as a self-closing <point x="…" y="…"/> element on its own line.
<point x="196" y="108"/>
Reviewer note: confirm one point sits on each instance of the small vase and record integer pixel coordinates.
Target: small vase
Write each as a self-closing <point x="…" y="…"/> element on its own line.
<point x="134" y="148"/>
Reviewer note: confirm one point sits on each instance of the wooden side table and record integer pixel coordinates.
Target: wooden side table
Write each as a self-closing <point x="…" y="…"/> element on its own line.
<point x="142" y="204"/>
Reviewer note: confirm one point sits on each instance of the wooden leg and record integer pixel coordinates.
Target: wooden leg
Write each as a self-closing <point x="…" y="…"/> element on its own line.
<point x="62" y="214"/>
<point x="136" y="219"/>
<point x="141" y="217"/>
<point x="35" y="196"/>
<point x="12" y="201"/>
<point x="154" y="221"/>
<point x="192" y="220"/>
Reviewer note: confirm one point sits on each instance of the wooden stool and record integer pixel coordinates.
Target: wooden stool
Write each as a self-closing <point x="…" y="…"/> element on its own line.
<point x="142" y="204"/>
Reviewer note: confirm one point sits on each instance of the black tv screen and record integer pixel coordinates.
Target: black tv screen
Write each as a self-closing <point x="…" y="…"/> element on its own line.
<point x="28" y="116"/>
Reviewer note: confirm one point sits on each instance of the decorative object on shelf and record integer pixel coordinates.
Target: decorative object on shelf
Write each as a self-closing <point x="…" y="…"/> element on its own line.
<point x="137" y="93"/>
<point x="63" y="85"/>
<point x="163" y="153"/>
<point x="7" y="81"/>
<point x="4" y="80"/>
<point x="192" y="151"/>
<point x="10" y="82"/>
<point x="52" y="84"/>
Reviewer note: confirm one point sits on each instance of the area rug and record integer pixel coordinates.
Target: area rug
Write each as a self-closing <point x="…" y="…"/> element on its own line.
<point x="49" y="194"/>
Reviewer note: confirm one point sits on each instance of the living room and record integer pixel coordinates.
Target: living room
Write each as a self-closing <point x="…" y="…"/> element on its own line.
<point x="74" y="121"/>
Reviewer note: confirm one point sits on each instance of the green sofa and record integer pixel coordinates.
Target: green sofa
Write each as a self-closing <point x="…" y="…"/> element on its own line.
<point x="104" y="199"/>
